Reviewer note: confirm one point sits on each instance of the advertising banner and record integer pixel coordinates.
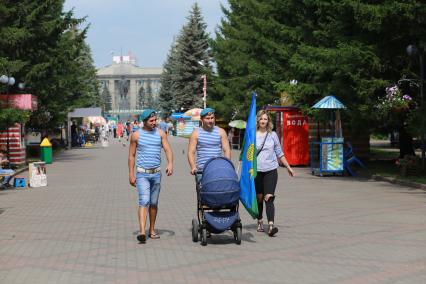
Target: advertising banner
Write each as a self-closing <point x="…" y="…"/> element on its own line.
<point x="37" y="174"/>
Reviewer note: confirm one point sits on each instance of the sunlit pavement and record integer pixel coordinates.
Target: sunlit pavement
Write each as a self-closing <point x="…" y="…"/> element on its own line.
<point x="82" y="229"/>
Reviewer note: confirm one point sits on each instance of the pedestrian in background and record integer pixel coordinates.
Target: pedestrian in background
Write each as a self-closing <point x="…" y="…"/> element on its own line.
<point x="135" y="126"/>
<point x="120" y="130"/>
<point x="268" y="152"/>
<point x="7" y="172"/>
<point x="163" y="125"/>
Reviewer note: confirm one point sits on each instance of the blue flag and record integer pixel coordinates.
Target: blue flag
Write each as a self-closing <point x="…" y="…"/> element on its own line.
<point x="248" y="167"/>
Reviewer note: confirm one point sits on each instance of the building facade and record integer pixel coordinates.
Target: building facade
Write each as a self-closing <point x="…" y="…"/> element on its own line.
<point x="127" y="89"/>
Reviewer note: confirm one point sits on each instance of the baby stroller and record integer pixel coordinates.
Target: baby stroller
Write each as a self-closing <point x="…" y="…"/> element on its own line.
<point x="218" y="193"/>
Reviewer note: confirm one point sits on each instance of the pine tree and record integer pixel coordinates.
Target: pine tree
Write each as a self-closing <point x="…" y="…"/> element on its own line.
<point x="140" y="99"/>
<point x="166" y="95"/>
<point x="249" y="57"/>
<point x="350" y="49"/>
<point x="192" y="47"/>
<point x="106" y="101"/>
<point x="149" y="101"/>
<point x="42" y="46"/>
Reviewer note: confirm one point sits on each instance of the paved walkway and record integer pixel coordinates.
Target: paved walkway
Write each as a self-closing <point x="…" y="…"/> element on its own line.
<point x="82" y="229"/>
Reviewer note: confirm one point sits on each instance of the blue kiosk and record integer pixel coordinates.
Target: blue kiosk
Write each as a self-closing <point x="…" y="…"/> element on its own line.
<point x="327" y="154"/>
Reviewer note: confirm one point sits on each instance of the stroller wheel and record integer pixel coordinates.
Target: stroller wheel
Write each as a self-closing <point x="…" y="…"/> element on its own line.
<point x="204" y="237"/>
<point x="237" y="235"/>
<point x="195" y="226"/>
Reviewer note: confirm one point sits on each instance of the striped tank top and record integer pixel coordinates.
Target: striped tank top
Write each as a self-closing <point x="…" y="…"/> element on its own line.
<point x="148" y="151"/>
<point x="209" y="146"/>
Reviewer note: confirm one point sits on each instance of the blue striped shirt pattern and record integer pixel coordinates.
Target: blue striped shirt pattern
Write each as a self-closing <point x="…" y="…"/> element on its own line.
<point x="148" y="151"/>
<point x="267" y="158"/>
<point x="209" y="146"/>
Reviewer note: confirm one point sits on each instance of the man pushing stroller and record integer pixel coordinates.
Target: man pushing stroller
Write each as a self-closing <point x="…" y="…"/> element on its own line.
<point x="208" y="141"/>
<point x="217" y="203"/>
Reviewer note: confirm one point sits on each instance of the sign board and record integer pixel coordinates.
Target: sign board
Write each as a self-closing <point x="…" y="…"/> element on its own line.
<point x="295" y="130"/>
<point x="37" y="174"/>
<point x="19" y="101"/>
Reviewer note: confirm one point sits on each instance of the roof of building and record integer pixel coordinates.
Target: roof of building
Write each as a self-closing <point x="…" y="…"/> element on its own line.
<point x="123" y="69"/>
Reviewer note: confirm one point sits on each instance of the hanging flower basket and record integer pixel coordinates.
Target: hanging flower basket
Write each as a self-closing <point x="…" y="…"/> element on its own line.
<point x="400" y="109"/>
<point x="394" y="101"/>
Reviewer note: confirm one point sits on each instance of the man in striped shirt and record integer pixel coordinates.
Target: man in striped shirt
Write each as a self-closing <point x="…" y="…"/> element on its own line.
<point x="145" y="152"/>
<point x="208" y="141"/>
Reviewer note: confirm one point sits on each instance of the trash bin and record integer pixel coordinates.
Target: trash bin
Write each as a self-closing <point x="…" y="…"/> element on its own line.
<point x="46" y="151"/>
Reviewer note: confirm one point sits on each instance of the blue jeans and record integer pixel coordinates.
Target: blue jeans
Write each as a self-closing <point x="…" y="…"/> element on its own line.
<point x="148" y="186"/>
<point x="6" y="179"/>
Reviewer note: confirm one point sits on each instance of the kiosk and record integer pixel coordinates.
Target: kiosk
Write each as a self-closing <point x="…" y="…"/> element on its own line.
<point x="327" y="153"/>
<point x="292" y="128"/>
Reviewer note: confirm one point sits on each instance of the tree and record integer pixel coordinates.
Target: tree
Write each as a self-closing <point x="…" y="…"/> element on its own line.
<point x="351" y="49"/>
<point x="250" y="53"/>
<point x="149" y="100"/>
<point x="42" y="46"/>
<point x="141" y="97"/>
<point x="106" y="100"/>
<point x="184" y="70"/>
<point x="166" y="95"/>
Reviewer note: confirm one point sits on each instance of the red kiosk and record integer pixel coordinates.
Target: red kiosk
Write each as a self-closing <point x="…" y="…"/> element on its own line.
<point x="292" y="128"/>
<point x="13" y="136"/>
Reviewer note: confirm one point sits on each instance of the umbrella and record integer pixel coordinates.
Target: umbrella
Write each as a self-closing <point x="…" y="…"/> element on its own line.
<point x="330" y="102"/>
<point x="240" y="124"/>
<point x="97" y="120"/>
<point x="194" y="113"/>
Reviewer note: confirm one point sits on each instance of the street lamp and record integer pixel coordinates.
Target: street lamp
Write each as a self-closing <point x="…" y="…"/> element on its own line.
<point x="9" y="81"/>
<point x="412" y="50"/>
<point x="204" y="77"/>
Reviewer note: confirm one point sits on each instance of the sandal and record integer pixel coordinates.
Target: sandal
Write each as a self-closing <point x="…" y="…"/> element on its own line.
<point x="154" y="236"/>
<point x="272" y="231"/>
<point x="141" y="238"/>
<point x="260" y="226"/>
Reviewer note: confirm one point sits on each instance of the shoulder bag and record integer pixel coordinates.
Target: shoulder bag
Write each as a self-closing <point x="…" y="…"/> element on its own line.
<point x="257" y="153"/>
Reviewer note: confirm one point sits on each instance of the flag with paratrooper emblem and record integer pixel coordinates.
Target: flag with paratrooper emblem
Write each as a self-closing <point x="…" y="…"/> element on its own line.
<point x="249" y="167"/>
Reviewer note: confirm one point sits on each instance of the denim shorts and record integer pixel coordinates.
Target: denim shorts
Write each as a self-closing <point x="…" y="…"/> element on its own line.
<point x="148" y="186"/>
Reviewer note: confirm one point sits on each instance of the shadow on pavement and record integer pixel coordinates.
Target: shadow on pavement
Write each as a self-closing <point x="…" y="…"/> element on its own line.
<point x="228" y="238"/>
<point x="167" y="233"/>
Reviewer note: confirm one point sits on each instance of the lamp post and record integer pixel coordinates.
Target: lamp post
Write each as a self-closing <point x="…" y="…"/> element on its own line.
<point x="204" y="77"/>
<point x="412" y="50"/>
<point x="9" y="81"/>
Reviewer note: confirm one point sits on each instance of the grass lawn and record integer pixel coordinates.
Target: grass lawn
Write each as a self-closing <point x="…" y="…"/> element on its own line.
<point x="382" y="162"/>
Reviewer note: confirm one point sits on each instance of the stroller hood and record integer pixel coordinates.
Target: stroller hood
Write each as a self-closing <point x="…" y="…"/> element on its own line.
<point x="219" y="183"/>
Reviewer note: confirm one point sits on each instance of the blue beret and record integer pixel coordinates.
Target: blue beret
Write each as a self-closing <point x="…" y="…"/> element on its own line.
<point x="147" y="114"/>
<point x="206" y="111"/>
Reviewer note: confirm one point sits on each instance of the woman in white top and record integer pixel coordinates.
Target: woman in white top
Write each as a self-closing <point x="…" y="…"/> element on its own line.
<point x="268" y="152"/>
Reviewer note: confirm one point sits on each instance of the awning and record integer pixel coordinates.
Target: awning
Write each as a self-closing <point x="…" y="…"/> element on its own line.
<point x="85" y="112"/>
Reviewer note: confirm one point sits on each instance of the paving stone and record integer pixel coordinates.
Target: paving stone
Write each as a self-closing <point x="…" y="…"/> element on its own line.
<point x="82" y="229"/>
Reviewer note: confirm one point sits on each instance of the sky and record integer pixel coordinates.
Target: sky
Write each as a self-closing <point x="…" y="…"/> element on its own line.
<point x="144" y="27"/>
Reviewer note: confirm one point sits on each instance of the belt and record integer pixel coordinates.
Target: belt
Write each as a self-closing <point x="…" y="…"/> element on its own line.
<point x="149" y="171"/>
